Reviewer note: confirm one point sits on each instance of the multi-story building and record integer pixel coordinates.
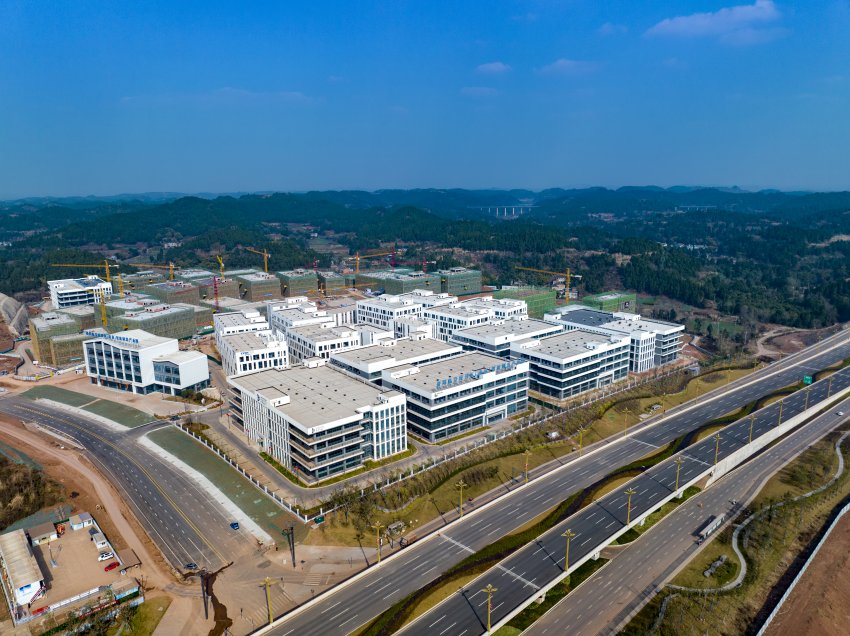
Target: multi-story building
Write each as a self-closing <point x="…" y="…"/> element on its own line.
<point x="320" y="341"/>
<point x="174" y="291"/>
<point x="317" y="421"/>
<point x="449" y="318"/>
<point x="502" y="308"/>
<point x="258" y="286"/>
<point x="384" y="311"/>
<point x="70" y="292"/>
<point x="570" y="363"/>
<point x="653" y="342"/>
<point x="243" y="353"/>
<point x="398" y="281"/>
<point x="282" y="320"/>
<point x="370" y="362"/>
<point x="246" y="321"/>
<point x="460" y="281"/>
<point x="462" y="393"/>
<point x="142" y="363"/>
<point x="496" y="338"/>
<point x="411" y="326"/>
<point x="298" y="282"/>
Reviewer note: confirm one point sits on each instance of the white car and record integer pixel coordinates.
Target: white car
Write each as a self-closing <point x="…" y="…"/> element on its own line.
<point x="840" y="413"/>
<point x="104" y="556"/>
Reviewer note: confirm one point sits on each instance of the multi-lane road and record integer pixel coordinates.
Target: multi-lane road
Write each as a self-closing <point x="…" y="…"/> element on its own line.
<point x="605" y="602"/>
<point x="531" y="570"/>
<point x="187" y="524"/>
<point x="349" y="606"/>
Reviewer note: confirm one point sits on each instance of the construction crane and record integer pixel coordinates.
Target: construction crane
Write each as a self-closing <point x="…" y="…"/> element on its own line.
<point x="105" y="265"/>
<point x="220" y="265"/>
<point x="168" y="266"/>
<point x="567" y="274"/>
<point x="216" y="280"/>
<point x="357" y="258"/>
<point x="264" y="254"/>
<point x="423" y="264"/>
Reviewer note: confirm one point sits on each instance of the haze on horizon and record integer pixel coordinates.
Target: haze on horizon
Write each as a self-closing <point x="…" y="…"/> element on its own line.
<point x="103" y="98"/>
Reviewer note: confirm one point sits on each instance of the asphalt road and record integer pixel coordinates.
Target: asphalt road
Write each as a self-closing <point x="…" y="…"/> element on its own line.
<point x="524" y="573"/>
<point x="348" y="607"/>
<point x="605" y="602"/>
<point x="182" y="519"/>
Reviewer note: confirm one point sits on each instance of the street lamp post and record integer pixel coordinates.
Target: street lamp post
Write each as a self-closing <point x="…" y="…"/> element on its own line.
<point x="752" y="421"/>
<point x="716" y="448"/>
<point x="569" y="534"/>
<point x="829" y="387"/>
<point x="580" y="439"/>
<point x="678" y="461"/>
<point x="629" y="493"/>
<point x="460" y="485"/>
<point x="378" y="527"/>
<point x="781" y="404"/>
<point x="625" y="421"/>
<point x="489" y="591"/>
<point x="806" y="406"/>
<point x="527" y="454"/>
<point x="268" y="582"/>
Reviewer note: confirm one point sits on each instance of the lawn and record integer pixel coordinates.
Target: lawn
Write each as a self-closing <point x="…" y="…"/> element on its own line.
<point x="63" y="396"/>
<point x="144" y="618"/>
<point x="124" y="415"/>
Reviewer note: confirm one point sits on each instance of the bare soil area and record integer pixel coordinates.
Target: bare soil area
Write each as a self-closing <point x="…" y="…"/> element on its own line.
<point x="818" y="604"/>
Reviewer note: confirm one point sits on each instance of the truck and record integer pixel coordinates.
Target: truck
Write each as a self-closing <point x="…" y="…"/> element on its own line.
<point x="713" y="523"/>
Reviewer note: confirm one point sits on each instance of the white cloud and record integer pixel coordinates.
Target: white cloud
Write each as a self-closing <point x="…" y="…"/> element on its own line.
<point x="739" y="25"/>
<point x="564" y="66"/>
<point x="609" y="28"/>
<point x="493" y="68"/>
<point x="479" y="91"/>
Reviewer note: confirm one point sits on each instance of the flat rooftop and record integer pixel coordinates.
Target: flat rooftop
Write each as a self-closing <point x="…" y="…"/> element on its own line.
<point x="588" y="317"/>
<point x="460" y="310"/>
<point x="257" y="277"/>
<point x="50" y="319"/>
<point x="193" y="273"/>
<point x="463" y="366"/>
<point x="642" y="324"/>
<point x="172" y="285"/>
<point x="297" y="273"/>
<point x="131" y="339"/>
<point x="402" y="350"/>
<point x="21" y="565"/>
<point x="77" y="284"/>
<point x="246" y="341"/>
<point x="237" y="319"/>
<point x="519" y="328"/>
<point x="569" y="344"/>
<point x="317" y="396"/>
<point x="317" y="333"/>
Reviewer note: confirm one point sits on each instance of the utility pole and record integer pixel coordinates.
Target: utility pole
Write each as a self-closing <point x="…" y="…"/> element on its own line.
<point x="580" y="439"/>
<point x="268" y="585"/>
<point x="378" y="527"/>
<point x="290" y="539"/>
<point x="489" y="591"/>
<point x="716" y="448"/>
<point x="527" y="454"/>
<point x="781" y="404"/>
<point x="460" y="485"/>
<point x="806" y="407"/>
<point x="752" y="421"/>
<point x="678" y="461"/>
<point x="569" y="534"/>
<point x="829" y="387"/>
<point x="629" y="493"/>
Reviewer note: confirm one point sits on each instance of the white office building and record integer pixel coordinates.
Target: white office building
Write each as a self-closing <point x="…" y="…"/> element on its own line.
<point x="282" y="320"/>
<point x="370" y="362"/>
<point x="243" y="353"/>
<point x="245" y="321"/>
<point x="19" y="569"/>
<point x="142" y="363"/>
<point x="496" y="338"/>
<point x="502" y="308"/>
<point x="70" y="292"/>
<point x="319" y="422"/>
<point x="459" y="394"/>
<point x="384" y="311"/>
<point x="450" y="318"/>
<point x="320" y="341"/>
<point x="564" y="365"/>
<point x="653" y="343"/>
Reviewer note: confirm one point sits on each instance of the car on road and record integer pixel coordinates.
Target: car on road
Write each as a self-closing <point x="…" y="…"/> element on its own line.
<point x="840" y="413"/>
<point x="191" y="566"/>
<point x="104" y="556"/>
<point x="235" y="525"/>
<point x="111" y="566"/>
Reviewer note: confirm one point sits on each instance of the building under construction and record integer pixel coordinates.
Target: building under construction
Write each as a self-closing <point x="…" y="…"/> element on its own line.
<point x="137" y="280"/>
<point x="46" y="328"/>
<point x="398" y="282"/>
<point x="174" y="291"/>
<point x="298" y="282"/>
<point x="459" y="281"/>
<point x="258" y="286"/>
<point x="331" y="282"/>
<point x="612" y="301"/>
<point x="203" y="314"/>
<point x="540" y="300"/>
<point x="168" y="321"/>
<point x="83" y="315"/>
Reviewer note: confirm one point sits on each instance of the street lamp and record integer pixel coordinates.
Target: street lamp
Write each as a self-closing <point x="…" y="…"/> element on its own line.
<point x="752" y="421"/>
<point x="806" y="407"/>
<point x="460" y="485"/>
<point x="625" y="421"/>
<point x="629" y="493"/>
<point x="378" y="527"/>
<point x="781" y="404"/>
<point x="527" y="454"/>
<point x="580" y="439"/>
<point x="569" y="534"/>
<point x="489" y="591"/>
<point x="268" y="582"/>
<point x="678" y="461"/>
<point x="829" y="387"/>
<point x="716" y="448"/>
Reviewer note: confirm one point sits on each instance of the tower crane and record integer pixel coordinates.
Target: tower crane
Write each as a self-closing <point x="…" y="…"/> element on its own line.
<point x="217" y="279"/>
<point x="168" y="266"/>
<point x="357" y="258"/>
<point x="567" y="274"/>
<point x="264" y="254"/>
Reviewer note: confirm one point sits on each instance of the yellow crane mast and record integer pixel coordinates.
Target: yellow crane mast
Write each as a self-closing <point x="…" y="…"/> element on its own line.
<point x="264" y="254"/>
<point x="567" y="274"/>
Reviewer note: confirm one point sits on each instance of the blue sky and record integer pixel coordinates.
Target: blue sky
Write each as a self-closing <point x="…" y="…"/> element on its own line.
<point x="109" y="97"/>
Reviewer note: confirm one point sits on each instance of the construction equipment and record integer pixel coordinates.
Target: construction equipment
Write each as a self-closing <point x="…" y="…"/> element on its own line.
<point x="168" y="266"/>
<point x="357" y="258"/>
<point x="567" y="274"/>
<point x="220" y="265"/>
<point x="216" y="280"/>
<point x="264" y="254"/>
<point x="105" y="265"/>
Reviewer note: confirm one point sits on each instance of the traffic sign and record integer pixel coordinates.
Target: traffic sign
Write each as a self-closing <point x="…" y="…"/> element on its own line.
<point x="807" y="379"/>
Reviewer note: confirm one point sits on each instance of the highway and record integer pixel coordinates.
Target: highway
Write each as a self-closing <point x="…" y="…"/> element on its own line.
<point x="532" y="568"/>
<point x="604" y="603"/>
<point x="183" y="520"/>
<point x="347" y="607"/>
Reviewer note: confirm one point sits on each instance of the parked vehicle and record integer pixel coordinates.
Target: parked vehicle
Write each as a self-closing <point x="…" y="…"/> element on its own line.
<point x="191" y="566"/>
<point x="105" y="556"/>
<point x="111" y="566"/>
<point x="235" y="525"/>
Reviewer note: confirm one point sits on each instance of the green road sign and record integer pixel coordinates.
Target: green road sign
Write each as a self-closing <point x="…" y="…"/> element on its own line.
<point x="319" y="519"/>
<point x="807" y="379"/>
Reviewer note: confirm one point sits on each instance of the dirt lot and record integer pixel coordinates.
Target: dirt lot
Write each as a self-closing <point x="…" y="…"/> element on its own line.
<point x="818" y="604"/>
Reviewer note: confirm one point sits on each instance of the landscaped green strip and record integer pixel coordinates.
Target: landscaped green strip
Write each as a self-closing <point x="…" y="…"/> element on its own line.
<point x="124" y="415"/>
<point x="63" y="396"/>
